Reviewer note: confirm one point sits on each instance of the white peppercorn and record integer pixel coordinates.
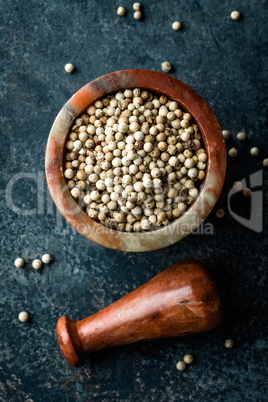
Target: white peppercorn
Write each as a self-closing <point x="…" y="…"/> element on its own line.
<point x="23" y="316"/>
<point x="241" y="136"/>
<point x="192" y="173"/>
<point x="189" y="163"/>
<point x="136" y="7"/>
<point x="148" y="147"/>
<point x="119" y="217"/>
<point x="193" y="192"/>
<point x="201" y="175"/>
<point x="137" y="15"/>
<point x="237" y="185"/>
<point x="46" y="258"/>
<point x="75" y="192"/>
<point x="69" y="173"/>
<point x="225" y="134"/>
<point x="229" y="343"/>
<point x="173" y="161"/>
<point x="188" y="359"/>
<point x="235" y="15"/>
<point x="233" y="152"/>
<point x="176" y="25"/>
<point x="37" y="264"/>
<point x="122" y="127"/>
<point x="254" y="151"/>
<point x="166" y="66"/>
<point x="220" y="213"/>
<point x="69" y="68"/>
<point x="121" y="11"/>
<point x="185" y="136"/>
<point x="87" y="199"/>
<point x="93" y="178"/>
<point x="145" y="223"/>
<point x="92" y="213"/>
<point x="181" y="366"/>
<point x="247" y="192"/>
<point x="202" y="157"/>
<point x="19" y="262"/>
<point x="182" y="206"/>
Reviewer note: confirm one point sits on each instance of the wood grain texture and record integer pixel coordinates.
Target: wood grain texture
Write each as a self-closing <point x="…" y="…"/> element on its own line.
<point x="181" y="300"/>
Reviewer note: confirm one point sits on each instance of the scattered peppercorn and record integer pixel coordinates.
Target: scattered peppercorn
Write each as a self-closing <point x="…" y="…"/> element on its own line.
<point x="233" y="152"/>
<point x="220" y="213"/>
<point x="137" y="15"/>
<point x="121" y="11"/>
<point x="265" y="162"/>
<point x="136" y="6"/>
<point x="237" y="185"/>
<point x="23" y="316"/>
<point x="166" y="66"/>
<point x="181" y="366"/>
<point x="176" y="25"/>
<point x="254" y="151"/>
<point x="69" y="68"/>
<point x="247" y="192"/>
<point x="188" y="359"/>
<point x="235" y="15"/>
<point x="241" y="136"/>
<point x="37" y="264"/>
<point x="226" y="134"/>
<point x="229" y="343"/>
<point x="46" y="258"/>
<point x="19" y="262"/>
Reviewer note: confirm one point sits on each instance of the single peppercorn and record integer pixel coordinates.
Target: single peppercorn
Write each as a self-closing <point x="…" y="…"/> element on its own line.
<point x="229" y="343"/>
<point x="237" y="185"/>
<point x="181" y="366"/>
<point x="241" y="136"/>
<point x="166" y="66"/>
<point x="225" y="134"/>
<point x="137" y="15"/>
<point x="247" y="192"/>
<point x="188" y="359"/>
<point x="176" y="25"/>
<point x="235" y="15"/>
<point x="37" y="264"/>
<point x="69" y="68"/>
<point x="19" y="262"/>
<point x="121" y="11"/>
<point x="254" y="151"/>
<point x="233" y="152"/>
<point x="23" y="316"/>
<point x="136" y="6"/>
<point x="46" y="258"/>
<point x="220" y="213"/>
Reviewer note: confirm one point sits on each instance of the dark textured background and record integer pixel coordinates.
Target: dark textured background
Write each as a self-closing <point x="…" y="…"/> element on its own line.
<point x="224" y="61"/>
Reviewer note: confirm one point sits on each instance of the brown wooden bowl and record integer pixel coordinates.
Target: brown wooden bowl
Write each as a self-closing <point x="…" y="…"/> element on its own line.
<point x="191" y="102"/>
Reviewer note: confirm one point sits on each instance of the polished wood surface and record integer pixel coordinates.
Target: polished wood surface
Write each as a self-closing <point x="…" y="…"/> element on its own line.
<point x="181" y="300"/>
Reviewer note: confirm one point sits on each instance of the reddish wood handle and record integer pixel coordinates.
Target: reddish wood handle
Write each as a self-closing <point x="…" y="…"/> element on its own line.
<point x="181" y="300"/>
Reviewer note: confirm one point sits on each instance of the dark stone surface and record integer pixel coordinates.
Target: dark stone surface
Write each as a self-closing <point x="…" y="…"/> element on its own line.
<point x="224" y="61"/>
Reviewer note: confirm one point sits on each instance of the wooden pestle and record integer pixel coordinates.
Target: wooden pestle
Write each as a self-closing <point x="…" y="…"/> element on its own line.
<point x="181" y="300"/>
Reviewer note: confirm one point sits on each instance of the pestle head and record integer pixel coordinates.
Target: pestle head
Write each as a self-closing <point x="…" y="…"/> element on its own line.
<point x="68" y="341"/>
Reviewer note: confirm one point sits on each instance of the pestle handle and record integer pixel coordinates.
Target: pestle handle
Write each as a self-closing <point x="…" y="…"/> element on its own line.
<point x="181" y="300"/>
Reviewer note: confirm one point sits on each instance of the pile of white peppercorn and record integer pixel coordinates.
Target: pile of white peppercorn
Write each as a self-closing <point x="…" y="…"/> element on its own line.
<point x="134" y="160"/>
